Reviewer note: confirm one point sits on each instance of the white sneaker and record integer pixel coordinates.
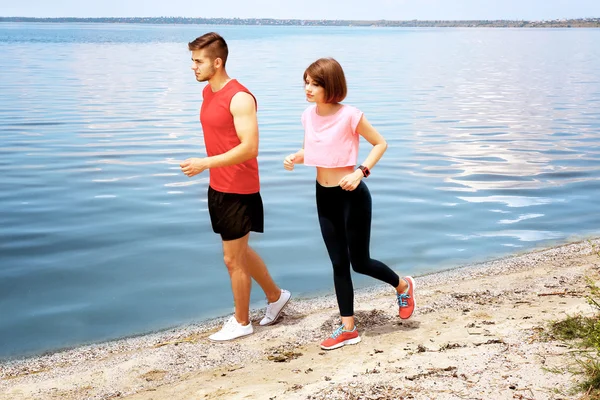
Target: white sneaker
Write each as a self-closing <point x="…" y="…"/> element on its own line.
<point x="231" y="330"/>
<point x="274" y="309"/>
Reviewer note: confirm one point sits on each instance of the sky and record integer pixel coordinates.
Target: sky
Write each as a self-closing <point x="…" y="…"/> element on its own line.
<point x="308" y="9"/>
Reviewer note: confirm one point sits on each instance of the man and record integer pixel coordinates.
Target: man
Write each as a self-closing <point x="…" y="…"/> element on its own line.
<point x="228" y="118"/>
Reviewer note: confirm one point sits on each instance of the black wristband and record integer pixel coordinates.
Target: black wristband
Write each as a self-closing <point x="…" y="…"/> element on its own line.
<point x="364" y="170"/>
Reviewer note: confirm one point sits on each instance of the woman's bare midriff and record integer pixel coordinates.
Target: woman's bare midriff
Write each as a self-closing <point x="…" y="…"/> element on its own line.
<point x="330" y="177"/>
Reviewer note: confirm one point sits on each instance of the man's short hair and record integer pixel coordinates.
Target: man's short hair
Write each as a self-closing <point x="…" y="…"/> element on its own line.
<point x="213" y="44"/>
<point x="328" y="74"/>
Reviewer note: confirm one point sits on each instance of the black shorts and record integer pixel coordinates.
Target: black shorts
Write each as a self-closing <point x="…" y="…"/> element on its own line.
<point x="234" y="215"/>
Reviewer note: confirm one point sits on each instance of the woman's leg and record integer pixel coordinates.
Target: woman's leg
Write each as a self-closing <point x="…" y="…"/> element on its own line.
<point x="331" y="203"/>
<point x="331" y="220"/>
<point x="358" y="232"/>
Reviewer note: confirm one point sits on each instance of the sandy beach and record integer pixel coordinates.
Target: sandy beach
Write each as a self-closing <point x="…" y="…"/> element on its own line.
<point x="476" y="335"/>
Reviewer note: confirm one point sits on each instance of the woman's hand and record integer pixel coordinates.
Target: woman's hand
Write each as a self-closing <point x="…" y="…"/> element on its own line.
<point x="288" y="163"/>
<point x="351" y="181"/>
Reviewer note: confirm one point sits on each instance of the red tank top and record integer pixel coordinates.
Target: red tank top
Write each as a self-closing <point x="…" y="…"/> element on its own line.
<point x="220" y="136"/>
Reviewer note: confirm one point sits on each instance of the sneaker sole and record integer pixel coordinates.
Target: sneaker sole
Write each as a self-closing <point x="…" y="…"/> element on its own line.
<point x="414" y="287"/>
<point x="341" y="344"/>
<point x="229" y="340"/>
<point x="279" y="313"/>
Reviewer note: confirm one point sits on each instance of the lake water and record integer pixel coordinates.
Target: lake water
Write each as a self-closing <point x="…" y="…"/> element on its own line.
<point x="494" y="149"/>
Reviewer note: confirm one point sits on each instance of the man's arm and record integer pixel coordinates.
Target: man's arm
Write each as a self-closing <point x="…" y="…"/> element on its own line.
<point x="243" y="109"/>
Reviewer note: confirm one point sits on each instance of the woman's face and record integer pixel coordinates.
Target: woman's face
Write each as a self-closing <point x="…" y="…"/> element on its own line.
<point x="314" y="92"/>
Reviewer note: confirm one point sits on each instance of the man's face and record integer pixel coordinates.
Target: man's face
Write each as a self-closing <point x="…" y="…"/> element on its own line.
<point x="314" y="92"/>
<point x="202" y="66"/>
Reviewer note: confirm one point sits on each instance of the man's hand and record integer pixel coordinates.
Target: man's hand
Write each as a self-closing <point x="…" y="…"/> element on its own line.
<point x="194" y="166"/>
<point x="351" y="181"/>
<point x="288" y="163"/>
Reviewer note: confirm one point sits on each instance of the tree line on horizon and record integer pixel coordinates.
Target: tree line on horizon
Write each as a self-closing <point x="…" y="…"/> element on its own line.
<point x="557" y="23"/>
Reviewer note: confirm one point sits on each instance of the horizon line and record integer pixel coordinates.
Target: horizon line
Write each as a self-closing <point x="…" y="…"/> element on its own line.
<point x="314" y="20"/>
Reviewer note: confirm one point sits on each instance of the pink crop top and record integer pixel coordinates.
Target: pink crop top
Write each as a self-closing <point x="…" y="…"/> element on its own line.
<point x="331" y="141"/>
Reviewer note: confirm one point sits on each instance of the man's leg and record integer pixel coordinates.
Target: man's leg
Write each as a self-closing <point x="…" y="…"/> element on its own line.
<point x="258" y="270"/>
<point x="235" y="255"/>
<point x="277" y="298"/>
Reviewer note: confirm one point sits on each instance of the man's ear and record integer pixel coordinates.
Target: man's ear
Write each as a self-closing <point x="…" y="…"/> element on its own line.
<point x="218" y="63"/>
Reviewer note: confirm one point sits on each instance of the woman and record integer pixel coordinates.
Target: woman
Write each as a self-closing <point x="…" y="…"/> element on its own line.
<point x="331" y="137"/>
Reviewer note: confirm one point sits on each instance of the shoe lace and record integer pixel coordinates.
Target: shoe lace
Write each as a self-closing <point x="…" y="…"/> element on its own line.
<point x="402" y="299"/>
<point x="269" y="306"/>
<point x="337" y="332"/>
<point x="269" y="309"/>
<point x="231" y="322"/>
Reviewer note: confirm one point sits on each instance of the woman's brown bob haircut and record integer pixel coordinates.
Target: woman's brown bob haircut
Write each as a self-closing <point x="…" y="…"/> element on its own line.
<point x="328" y="74"/>
<point x="213" y="44"/>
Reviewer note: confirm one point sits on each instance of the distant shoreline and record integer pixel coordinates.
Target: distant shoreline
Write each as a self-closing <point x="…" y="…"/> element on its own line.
<point x="557" y="23"/>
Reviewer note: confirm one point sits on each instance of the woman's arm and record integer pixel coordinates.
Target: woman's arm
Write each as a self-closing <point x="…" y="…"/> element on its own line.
<point x="366" y="130"/>
<point x="294" y="158"/>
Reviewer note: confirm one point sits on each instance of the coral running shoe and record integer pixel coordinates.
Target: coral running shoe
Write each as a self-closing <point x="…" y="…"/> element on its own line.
<point x="341" y="337"/>
<point x="406" y="300"/>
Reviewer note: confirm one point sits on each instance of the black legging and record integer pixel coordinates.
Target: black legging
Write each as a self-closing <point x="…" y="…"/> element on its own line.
<point x="345" y="219"/>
